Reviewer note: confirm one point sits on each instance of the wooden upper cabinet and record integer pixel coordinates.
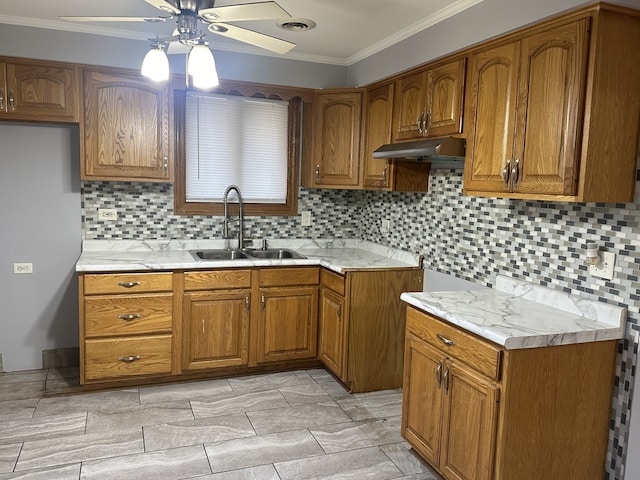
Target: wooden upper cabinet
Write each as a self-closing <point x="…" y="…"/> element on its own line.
<point x="336" y="138"/>
<point x="38" y="91"/>
<point x="429" y="103"/>
<point x="552" y="114"/>
<point x="378" y="110"/>
<point x="126" y="129"/>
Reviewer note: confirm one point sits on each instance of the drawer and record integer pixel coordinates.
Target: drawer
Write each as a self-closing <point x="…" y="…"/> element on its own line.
<point x="217" y="279"/>
<point x="332" y="281"/>
<point x="127" y="283"/>
<point x="282" y="277"/>
<point x="126" y="357"/>
<point x="477" y="353"/>
<point x="109" y="315"/>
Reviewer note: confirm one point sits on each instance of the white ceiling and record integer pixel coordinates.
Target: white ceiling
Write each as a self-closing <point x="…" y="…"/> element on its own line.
<point x="347" y="30"/>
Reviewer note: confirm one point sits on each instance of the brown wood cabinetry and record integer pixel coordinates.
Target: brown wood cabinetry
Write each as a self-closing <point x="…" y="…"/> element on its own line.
<point x="477" y="411"/>
<point x="336" y="139"/>
<point x="360" y="313"/>
<point x="126" y="127"/>
<point x="554" y="115"/>
<point x="126" y="326"/>
<point x="428" y="103"/>
<point x="38" y="91"/>
<point x="215" y="319"/>
<point x="288" y="317"/>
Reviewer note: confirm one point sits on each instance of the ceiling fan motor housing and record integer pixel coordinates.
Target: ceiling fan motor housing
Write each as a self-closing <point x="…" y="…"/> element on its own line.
<point x="192" y="5"/>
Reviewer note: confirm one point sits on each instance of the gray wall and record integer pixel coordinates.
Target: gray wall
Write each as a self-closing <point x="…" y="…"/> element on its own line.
<point x="40" y="223"/>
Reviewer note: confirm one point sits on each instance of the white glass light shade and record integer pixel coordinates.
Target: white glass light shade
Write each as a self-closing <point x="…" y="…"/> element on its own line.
<point x="202" y="67"/>
<point x="155" y="65"/>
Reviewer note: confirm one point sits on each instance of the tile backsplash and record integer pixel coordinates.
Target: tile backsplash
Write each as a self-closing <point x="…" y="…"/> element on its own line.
<point x="472" y="238"/>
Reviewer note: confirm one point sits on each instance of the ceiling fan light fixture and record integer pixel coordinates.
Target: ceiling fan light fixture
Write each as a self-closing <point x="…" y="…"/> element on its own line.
<point x="202" y="67"/>
<point x="156" y="64"/>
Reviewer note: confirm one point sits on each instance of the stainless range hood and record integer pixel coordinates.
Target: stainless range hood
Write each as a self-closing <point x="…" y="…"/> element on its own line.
<point x="446" y="152"/>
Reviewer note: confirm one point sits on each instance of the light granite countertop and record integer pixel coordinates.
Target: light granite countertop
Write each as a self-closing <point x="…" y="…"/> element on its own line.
<point x="337" y="255"/>
<point x="518" y="314"/>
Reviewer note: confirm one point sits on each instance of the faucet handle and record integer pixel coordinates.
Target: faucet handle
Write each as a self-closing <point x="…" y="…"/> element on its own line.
<point x="264" y="244"/>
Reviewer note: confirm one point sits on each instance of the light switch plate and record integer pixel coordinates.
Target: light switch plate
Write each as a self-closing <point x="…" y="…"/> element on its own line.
<point x="604" y="269"/>
<point x="21" y="268"/>
<point x="306" y="218"/>
<point x="107" y="214"/>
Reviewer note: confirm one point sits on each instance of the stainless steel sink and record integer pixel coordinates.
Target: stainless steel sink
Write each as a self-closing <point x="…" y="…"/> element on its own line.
<point x="217" y="254"/>
<point x="273" y="253"/>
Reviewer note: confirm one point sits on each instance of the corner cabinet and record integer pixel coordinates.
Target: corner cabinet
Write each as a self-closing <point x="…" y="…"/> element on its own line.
<point x="38" y="91"/>
<point x="554" y="115"/>
<point x="361" y="326"/>
<point x="126" y="127"/>
<point x="428" y="103"/>
<point x="477" y="411"/>
<point x="336" y="139"/>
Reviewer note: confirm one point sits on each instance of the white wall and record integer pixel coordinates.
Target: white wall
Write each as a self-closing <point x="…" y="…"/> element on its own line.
<point x="40" y="222"/>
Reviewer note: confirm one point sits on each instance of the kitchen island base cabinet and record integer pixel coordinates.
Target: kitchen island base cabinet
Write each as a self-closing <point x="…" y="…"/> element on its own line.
<point x="542" y="413"/>
<point x="361" y="337"/>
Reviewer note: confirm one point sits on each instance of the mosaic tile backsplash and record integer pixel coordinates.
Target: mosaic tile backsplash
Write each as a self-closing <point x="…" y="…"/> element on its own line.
<point x="470" y="237"/>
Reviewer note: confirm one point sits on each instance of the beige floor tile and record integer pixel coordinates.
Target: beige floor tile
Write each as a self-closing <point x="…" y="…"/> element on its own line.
<point x="295" y="417"/>
<point x="372" y="406"/>
<point x="301" y="394"/>
<point x="261" y="450"/>
<point x="9" y="456"/>
<point x="270" y="381"/>
<point x="264" y="472"/>
<point x="67" y="472"/>
<point x="184" y="391"/>
<point x="88" y="402"/>
<point x="234" y="402"/>
<point x="25" y="429"/>
<point x="23" y="408"/>
<point x="195" y="432"/>
<point x="405" y="459"/>
<point x="352" y="435"/>
<point x="109" y="420"/>
<point x="370" y="463"/>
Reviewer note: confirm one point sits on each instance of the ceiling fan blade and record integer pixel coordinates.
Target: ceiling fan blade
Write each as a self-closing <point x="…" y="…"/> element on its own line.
<point x="164" y="6"/>
<point x="246" y="12"/>
<point x="249" y="36"/>
<point x="114" y="19"/>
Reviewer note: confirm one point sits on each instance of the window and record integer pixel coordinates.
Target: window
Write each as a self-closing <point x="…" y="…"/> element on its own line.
<point x="234" y="139"/>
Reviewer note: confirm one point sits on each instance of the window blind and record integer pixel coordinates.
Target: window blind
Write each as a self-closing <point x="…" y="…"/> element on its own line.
<point x="236" y="140"/>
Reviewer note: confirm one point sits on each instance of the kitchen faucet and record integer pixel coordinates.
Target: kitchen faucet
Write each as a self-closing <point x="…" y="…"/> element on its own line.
<point x="240" y="215"/>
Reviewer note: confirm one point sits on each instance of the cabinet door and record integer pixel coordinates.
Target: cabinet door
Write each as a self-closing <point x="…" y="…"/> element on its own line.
<point x="41" y="91"/>
<point x="126" y="131"/>
<point x="288" y="324"/>
<point x="422" y="398"/>
<point x="378" y="110"/>
<point x="445" y="92"/>
<point x="469" y="420"/>
<point x="216" y="329"/>
<point x="493" y="83"/>
<point x="409" y="106"/>
<point x="550" y="106"/>
<point x="332" y="331"/>
<point x="336" y="144"/>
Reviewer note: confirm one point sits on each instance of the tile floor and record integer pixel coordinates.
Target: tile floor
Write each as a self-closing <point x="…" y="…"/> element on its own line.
<point x="289" y="426"/>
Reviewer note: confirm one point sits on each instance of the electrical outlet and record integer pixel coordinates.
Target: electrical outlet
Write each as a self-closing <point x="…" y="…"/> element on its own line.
<point x="306" y="218"/>
<point x="107" y="214"/>
<point x="385" y="226"/>
<point x="21" y="268"/>
<point x="604" y="269"/>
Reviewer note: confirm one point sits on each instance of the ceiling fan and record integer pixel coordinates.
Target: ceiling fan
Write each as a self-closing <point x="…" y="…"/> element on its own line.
<point x="188" y="12"/>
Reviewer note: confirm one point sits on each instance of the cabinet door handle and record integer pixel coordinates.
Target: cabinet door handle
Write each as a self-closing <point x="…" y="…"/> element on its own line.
<point x="439" y="374"/>
<point x="506" y="171"/>
<point x="262" y="302"/>
<point x="165" y="165"/>
<point x="128" y="284"/>
<point x="445" y="380"/>
<point x="130" y="316"/>
<point x="129" y="359"/>
<point x="247" y="303"/>
<point x="317" y="173"/>
<point x="12" y="102"/>
<point x="1" y="99"/>
<point x="420" y="121"/>
<point x="426" y="123"/>
<point x="515" y="173"/>
<point x="384" y="173"/>
<point x="339" y="312"/>
<point x="445" y="340"/>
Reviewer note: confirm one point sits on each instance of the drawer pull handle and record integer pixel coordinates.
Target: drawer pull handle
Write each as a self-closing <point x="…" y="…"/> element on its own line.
<point x="445" y="340"/>
<point x="445" y="380"/>
<point x="129" y="316"/>
<point x="439" y="374"/>
<point x="128" y="284"/>
<point x="129" y="359"/>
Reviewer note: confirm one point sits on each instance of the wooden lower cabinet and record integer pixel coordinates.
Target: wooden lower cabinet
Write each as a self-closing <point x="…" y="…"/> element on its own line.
<point x="477" y="411"/>
<point x="362" y="322"/>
